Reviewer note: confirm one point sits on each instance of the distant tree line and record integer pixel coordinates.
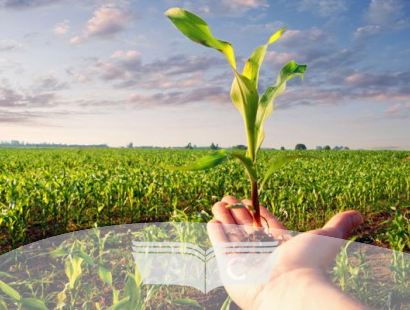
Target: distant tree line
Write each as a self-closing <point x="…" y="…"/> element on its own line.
<point x="17" y="144"/>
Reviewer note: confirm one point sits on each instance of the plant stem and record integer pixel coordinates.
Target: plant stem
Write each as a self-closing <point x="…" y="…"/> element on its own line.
<point x="255" y="203"/>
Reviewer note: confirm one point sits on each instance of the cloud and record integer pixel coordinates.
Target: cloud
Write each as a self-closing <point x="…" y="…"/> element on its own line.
<point x="366" y="32"/>
<point x="379" y="80"/>
<point x="387" y="13"/>
<point x="108" y="21"/>
<point x="76" y="40"/>
<point x="268" y="28"/>
<point x="27" y="4"/>
<point x="393" y="110"/>
<point x="215" y="94"/>
<point x="12" y="117"/>
<point x="224" y="7"/>
<point x="242" y="6"/>
<point x="397" y="111"/>
<point x="278" y="59"/>
<point x="125" y="68"/>
<point x="323" y="7"/>
<point x="62" y="28"/>
<point x="48" y="83"/>
<point x="312" y="37"/>
<point x="10" y="98"/>
<point x="10" y="46"/>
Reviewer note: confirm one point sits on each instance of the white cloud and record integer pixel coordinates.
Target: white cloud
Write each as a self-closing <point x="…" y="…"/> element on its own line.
<point x="408" y="105"/>
<point x="10" y="46"/>
<point x="108" y="21"/>
<point x="278" y="58"/>
<point x="221" y="7"/>
<point x="387" y="13"/>
<point x="76" y="40"/>
<point x="62" y="28"/>
<point x="323" y="7"/>
<point x="366" y="31"/>
<point x="393" y="110"/>
<point x="82" y="78"/>
<point x="246" y="4"/>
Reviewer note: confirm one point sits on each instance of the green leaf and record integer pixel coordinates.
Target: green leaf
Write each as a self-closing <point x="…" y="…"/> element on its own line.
<point x="252" y="66"/>
<point x="244" y="95"/>
<point x="33" y="304"/>
<point x="247" y="162"/>
<point x="105" y="275"/>
<point x="86" y="258"/>
<point x="59" y="252"/>
<point x="226" y="304"/>
<point x="134" y="292"/>
<point x="3" y="305"/>
<point x="8" y="290"/>
<point x="120" y="304"/>
<point x="196" y="29"/>
<point x="5" y="274"/>
<point x="289" y="71"/>
<point x="206" y="162"/>
<point x="187" y="302"/>
<point x="279" y="163"/>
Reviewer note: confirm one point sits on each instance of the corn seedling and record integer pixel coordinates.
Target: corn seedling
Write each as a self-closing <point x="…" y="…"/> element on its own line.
<point x="18" y="300"/>
<point x="254" y="108"/>
<point x="399" y="239"/>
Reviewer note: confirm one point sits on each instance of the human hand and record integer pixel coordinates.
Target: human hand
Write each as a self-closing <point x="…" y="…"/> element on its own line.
<point x="298" y="279"/>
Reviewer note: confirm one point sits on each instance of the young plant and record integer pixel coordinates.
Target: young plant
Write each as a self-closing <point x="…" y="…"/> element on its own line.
<point x="244" y="94"/>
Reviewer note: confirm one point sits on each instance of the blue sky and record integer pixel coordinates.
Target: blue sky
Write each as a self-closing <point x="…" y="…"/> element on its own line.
<point x="95" y="71"/>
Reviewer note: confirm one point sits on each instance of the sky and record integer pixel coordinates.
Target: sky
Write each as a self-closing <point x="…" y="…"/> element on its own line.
<point x="103" y="72"/>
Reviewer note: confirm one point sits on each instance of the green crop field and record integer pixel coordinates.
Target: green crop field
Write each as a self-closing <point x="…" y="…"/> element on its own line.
<point x="47" y="192"/>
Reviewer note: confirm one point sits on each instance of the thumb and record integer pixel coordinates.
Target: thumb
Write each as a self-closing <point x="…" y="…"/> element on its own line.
<point x="336" y="230"/>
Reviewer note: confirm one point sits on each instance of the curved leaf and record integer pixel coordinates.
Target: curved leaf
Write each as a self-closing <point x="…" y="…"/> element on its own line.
<point x="105" y="275"/>
<point x="187" y="302"/>
<point x="244" y="95"/>
<point x="119" y="305"/>
<point x="206" y="162"/>
<point x="253" y="64"/>
<point x="196" y="29"/>
<point x="33" y="304"/>
<point x="246" y="161"/>
<point x="86" y="257"/>
<point x="289" y="71"/>
<point x="8" y="290"/>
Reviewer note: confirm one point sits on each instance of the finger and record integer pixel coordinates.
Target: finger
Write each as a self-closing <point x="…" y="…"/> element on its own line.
<point x="240" y="215"/>
<point x="223" y="215"/>
<point x="339" y="227"/>
<point x="216" y="232"/>
<point x="276" y="229"/>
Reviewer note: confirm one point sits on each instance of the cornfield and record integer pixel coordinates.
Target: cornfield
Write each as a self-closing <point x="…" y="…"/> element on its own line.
<point x="48" y="192"/>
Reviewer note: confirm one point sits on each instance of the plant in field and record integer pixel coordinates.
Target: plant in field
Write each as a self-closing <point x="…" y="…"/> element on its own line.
<point x="244" y="94"/>
<point x="399" y="239"/>
<point x="16" y="299"/>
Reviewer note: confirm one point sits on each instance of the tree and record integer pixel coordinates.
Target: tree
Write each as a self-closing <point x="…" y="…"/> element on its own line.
<point x="189" y="146"/>
<point x="214" y="147"/>
<point x="327" y="147"/>
<point x="130" y="145"/>
<point x="282" y="148"/>
<point x="300" y="146"/>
